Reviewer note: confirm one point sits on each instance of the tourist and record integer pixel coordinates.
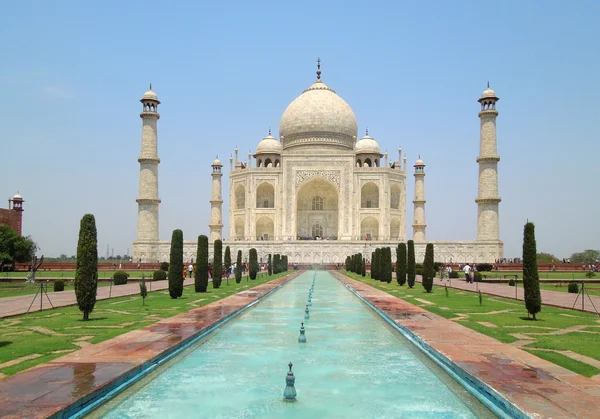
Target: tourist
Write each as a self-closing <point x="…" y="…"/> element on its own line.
<point x="467" y="270"/>
<point x="190" y="270"/>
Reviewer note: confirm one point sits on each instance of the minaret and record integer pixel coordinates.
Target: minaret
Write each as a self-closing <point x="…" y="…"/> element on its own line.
<point x="148" y="197"/>
<point x="488" y="199"/>
<point x="216" y="203"/>
<point x="419" y="201"/>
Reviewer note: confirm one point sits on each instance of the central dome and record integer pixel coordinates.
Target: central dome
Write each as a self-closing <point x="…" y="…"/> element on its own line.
<point x="318" y="116"/>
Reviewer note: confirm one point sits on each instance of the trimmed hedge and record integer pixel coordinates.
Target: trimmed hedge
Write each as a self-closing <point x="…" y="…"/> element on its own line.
<point x="120" y="277"/>
<point x="484" y="267"/>
<point x="573" y="288"/>
<point x="453" y="274"/>
<point x="59" y="285"/>
<point x="477" y="277"/>
<point x="164" y="266"/>
<point x="159" y="275"/>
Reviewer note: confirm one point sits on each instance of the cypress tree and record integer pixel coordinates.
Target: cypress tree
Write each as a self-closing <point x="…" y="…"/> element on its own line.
<point x="375" y="265"/>
<point x="388" y="265"/>
<point x="176" y="265"/>
<point x="372" y="264"/>
<point x="270" y="265"/>
<point x="217" y="264"/>
<point x="227" y="261"/>
<point x="531" y="278"/>
<point x="201" y="276"/>
<point x="347" y="263"/>
<point x="238" y="267"/>
<point x="428" y="269"/>
<point x="401" y="264"/>
<point x="253" y="263"/>
<point x="359" y="260"/>
<point x="285" y="263"/>
<point x="86" y="273"/>
<point x="276" y="263"/>
<point x="410" y="264"/>
<point x="364" y="268"/>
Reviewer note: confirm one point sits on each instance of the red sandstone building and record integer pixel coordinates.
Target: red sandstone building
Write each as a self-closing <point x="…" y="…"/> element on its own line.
<point x="13" y="216"/>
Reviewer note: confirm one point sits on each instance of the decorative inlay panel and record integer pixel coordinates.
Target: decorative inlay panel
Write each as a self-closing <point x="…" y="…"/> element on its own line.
<point x="305" y="175"/>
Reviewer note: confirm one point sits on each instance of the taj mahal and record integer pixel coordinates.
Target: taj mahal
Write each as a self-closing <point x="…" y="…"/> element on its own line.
<point x="318" y="193"/>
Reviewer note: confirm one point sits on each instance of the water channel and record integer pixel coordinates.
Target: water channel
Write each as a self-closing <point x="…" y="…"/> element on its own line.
<point x="353" y="366"/>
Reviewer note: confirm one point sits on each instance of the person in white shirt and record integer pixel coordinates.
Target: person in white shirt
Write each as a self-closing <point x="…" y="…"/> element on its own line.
<point x="190" y="270"/>
<point x="467" y="270"/>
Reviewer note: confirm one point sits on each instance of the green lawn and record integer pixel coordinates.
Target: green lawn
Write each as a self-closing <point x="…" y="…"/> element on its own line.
<point x="51" y="334"/>
<point x="71" y="274"/>
<point x="14" y="289"/>
<point x="543" y="275"/>
<point x="510" y="317"/>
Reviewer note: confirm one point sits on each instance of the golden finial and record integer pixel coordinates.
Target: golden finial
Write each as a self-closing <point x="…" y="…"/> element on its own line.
<point x="318" y="68"/>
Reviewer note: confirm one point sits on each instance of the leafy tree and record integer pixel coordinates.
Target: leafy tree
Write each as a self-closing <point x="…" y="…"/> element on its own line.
<point x="143" y="290"/>
<point x="86" y="273"/>
<point x="227" y="261"/>
<point x="401" y="264"/>
<point x="546" y="258"/>
<point x="253" y="263"/>
<point x="15" y="248"/>
<point x="587" y="256"/>
<point x="238" y="267"/>
<point x="175" y="275"/>
<point x="531" y="278"/>
<point x="428" y="268"/>
<point x="410" y="264"/>
<point x="270" y="265"/>
<point x="217" y="264"/>
<point x="201" y="276"/>
<point x="363" y="271"/>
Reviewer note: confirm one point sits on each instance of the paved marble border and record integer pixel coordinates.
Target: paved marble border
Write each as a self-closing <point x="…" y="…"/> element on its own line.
<point x="60" y="387"/>
<point x="535" y="386"/>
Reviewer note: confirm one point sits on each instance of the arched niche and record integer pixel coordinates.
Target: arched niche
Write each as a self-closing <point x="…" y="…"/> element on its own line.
<point x="369" y="228"/>
<point x="369" y="196"/>
<point x="367" y="162"/>
<point x="265" y="229"/>
<point x="396" y="192"/>
<point x="240" y="197"/>
<point x="240" y="229"/>
<point x="317" y="204"/>
<point x="265" y="196"/>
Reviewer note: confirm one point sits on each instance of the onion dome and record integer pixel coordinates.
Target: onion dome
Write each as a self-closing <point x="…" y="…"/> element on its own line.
<point x="150" y="95"/>
<point x="419" y="162"/>
<point x="216" y="162"/>
<point x="17" y="197"/>
<point x="318" y="116"/>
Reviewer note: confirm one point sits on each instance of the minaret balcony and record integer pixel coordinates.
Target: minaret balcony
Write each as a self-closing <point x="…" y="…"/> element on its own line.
<point x="148" y="160"/>
<point x="488" y="200"/>
<point x="487" y="159"/>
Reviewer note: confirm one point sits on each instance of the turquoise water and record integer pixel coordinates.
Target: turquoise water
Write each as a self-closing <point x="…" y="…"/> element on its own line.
<point x="352" y="366"/>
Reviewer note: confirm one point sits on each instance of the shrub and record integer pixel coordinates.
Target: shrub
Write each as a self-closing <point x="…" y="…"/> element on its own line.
<point x="120" y="277"/>
<point x="164" y="266"/>
<point x="511" y="282"/>
<point x="428" y="269"/>
<point x="253" y="263"/>
<point x="531" y="277"/>
<point x="86" y="273"/>
<point x="159" y="275"/>
<point x="410" y="266"/>
<point x="483" y="267"/>
<point x="573" y="288"/>
<point x="143" y="290"/>
<point x="590" y="274"/>
<point x="401" y="264"/>
<point x="453" y="274"/>
<point x="477" y="277"/>
<point x="419" y="271"/>
<point x="201" y="276"/>
<point x="238" y="267"/>
<point x="59" y="285"/>
<point x="175" y="274"/>
<point x="217" y="263"/>
<point x="227" y="261"/>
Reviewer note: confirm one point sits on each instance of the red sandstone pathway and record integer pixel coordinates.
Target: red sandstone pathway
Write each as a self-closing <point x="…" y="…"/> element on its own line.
<point x="49" y="388"/>
<point x="551" y="298"/>
<point x="11" y="306"/>
<point x="537" y="387"/>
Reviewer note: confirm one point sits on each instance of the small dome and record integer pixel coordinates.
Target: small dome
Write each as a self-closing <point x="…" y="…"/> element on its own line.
<point x="367" y="145"/>
<point x="419" y="163"/>
<point x="17" y="196"/>
<point x="488" y="93"/>
<point x="269" y="145"/>
<point x="217" y="162"/>
<point x="150" y="95"/>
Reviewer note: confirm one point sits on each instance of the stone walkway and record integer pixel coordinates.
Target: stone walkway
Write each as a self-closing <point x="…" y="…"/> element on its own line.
<point x="537" y="387"/>
<point x="550" y="298"/>
<point x="50" y="388"/>
<point x="12" y="306"/>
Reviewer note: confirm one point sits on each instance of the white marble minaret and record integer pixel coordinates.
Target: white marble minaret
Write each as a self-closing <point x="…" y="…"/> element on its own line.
<point x="419" y="202"/>
<point x="148" y="200"/>
<point x="216" y="203"/>
<point x="488" y="199"/>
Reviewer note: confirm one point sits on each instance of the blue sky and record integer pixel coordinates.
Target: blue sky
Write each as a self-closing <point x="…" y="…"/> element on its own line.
<point x="73" y="72"/>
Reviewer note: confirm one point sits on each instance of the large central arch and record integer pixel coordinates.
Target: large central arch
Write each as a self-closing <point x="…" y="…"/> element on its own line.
<point x="317" y="210"/>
